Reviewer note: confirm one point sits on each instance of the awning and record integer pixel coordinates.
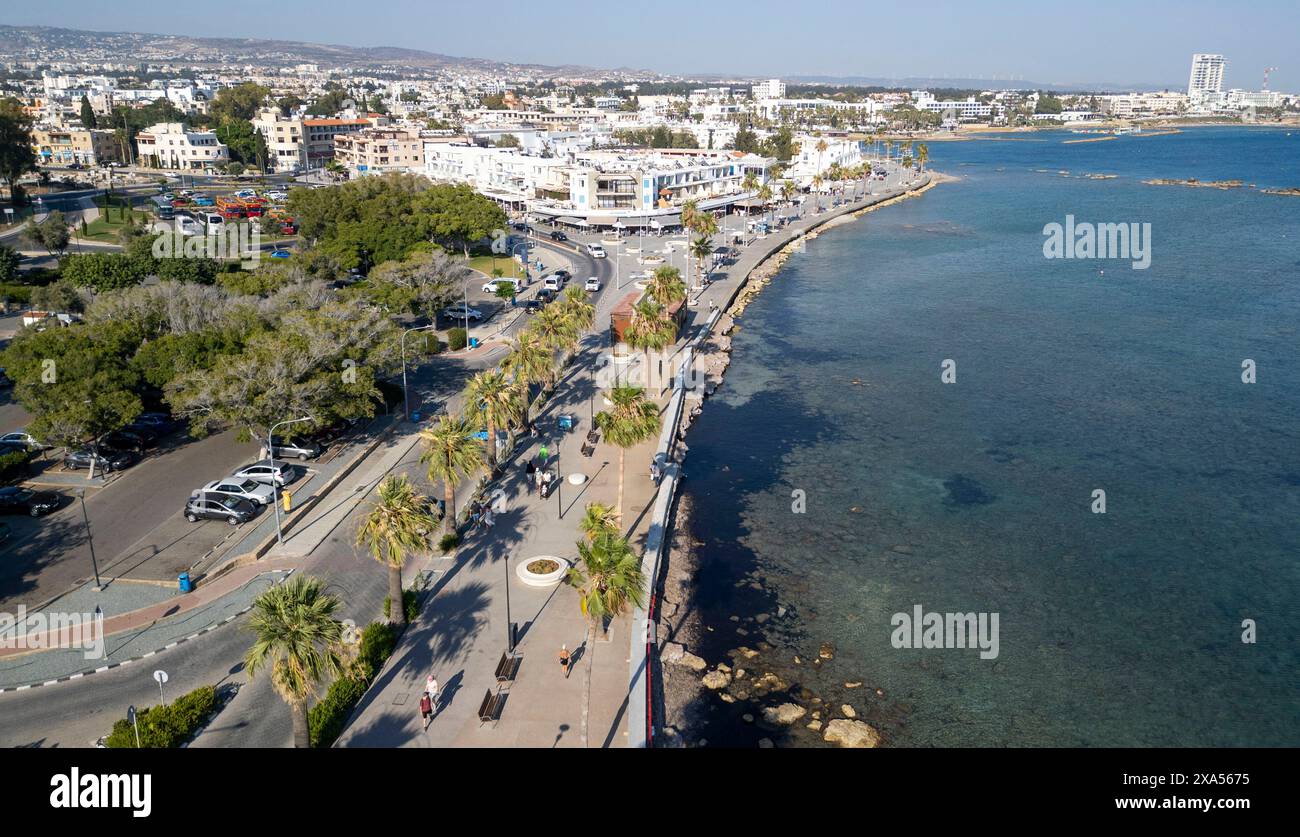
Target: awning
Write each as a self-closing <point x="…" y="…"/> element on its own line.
<point x="665" y="221"/>
<point x="602" y="220"/>
<point x="572" y="222"/>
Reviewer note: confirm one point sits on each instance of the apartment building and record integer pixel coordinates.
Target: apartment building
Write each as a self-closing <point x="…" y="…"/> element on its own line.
<point x="774" y="108"/>
<point x="319" y="134"/>
<point x="170" y="145"/>
<point x="770" y="89"/>
<point x="965" y="110"/>
<point x="380" y="151"/>
<point x="284" y="138"/>
<point x="503" y="174"/>
<point x="83" y="146"/>
<point x="1206" y="77"/>
<point x="812" y="160"/>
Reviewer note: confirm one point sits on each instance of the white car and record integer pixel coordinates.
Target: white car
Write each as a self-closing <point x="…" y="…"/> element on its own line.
<point x="592" y="284"/>
<point x="552" y="283"/>
<point x="460" y="312"/>
<point x="491" y="287"/>
<point x="276" y="195"/>
<point x="267" y="471"/>
<point x="595" y="251"/>
<point x="244" y="488"/>
<point x="246" y="193"/>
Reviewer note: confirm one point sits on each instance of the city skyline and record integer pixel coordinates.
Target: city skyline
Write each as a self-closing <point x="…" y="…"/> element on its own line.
<point x="1149" y="49"/>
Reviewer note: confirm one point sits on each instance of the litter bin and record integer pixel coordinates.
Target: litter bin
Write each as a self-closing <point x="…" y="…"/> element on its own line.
<point x="473" y="342"/>
<point x="415" y="416"/>
<point x="183" y="581"/>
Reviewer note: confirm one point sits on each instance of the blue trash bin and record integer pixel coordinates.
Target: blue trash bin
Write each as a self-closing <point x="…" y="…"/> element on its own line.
<point x="473" y="342"/>
<point x="415" y="416"/>
<point x="183" y="581"/>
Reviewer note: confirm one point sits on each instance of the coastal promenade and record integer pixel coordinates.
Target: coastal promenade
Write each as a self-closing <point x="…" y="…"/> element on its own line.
<point x="462" y="630"/>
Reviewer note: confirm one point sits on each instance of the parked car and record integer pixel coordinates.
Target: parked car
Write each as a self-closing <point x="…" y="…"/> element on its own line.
<point x="246" y="193"/>
<point x="460" y="312"/>
<point x="245" y="488"/>
<point x="297" y="448"/>
<point x="17" y="500"/>
<point x="595" y="251"/>
<point x="268" y="471"/>
<point x="337" y="430"/>
<point x="592" y="284"/>
<point x="491" y="287"/>
<point x="280" y="253"/>
<point x="532" y="306"/>
<point x="276" y="195"/>
<point x="545" y="296"/>
<point x="204" y="200"/>
<point x="160" y="422"/>
<point x="205" y="506"/>
<point x="107" y="459"/>
<point x="129" y="440"/>
<point x="558" y="236"/>
<point x="22" y="437"/>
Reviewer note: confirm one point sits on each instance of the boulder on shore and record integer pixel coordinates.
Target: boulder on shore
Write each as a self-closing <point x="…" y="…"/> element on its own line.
<point x="717" y="680"/>
<point x="783" y="715"/>
<point x="853" y="735"/>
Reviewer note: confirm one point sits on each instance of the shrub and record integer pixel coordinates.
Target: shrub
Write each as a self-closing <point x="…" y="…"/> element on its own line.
<point x="169" y="725"/>
<point x="457" y="338"/>
<point x="448" y="542"/>
<point x="20" y="294"/>
<point x="13" y="465"/>
<point x="410" y="601"/>
<point x="325" y="720"/>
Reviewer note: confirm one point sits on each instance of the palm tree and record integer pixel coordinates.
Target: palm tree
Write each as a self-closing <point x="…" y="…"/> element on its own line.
<point x="788" y="191"/>
<point x="922" y="154"/>
<point x="529" y="362"/>
<point x="817" y="185"/>
<point x="701" y="247"/>
<point x="666" y="286"/>
<point x="491" y="397"/>
<point x="821" y="147"/>
<point x="631" y="421"/>
<point x="650" y="329"/>
<point x="765" y="195"/>
<point x="557" y="332"/>
<point x="452" y="453"/>
<point x="299" y="638"/>
<point x="599" y="519"/>
<point x="690" y="212"/>
<point x="610" y="578"/>
<point x="578" y="308"/>
<point x="395" y="527"/>
<point x="750" y="182"/>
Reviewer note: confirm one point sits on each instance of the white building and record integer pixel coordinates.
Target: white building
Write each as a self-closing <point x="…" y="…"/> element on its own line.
<point x="810" y="161"/>
<point x="168" y="145"/>
<point x="771" y="89"/>
<point x="503" y="174"/>
<point x="965" y="110"/>
<point x="1206" y="77"/>
<point x="284" y="138"/>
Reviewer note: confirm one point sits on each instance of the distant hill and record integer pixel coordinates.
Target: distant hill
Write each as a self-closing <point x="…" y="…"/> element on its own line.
<point x="47" y="43"/>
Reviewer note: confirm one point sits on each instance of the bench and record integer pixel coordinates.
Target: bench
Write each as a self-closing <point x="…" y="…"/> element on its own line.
<point x="593" y="436"/>
<point x="508" y="667"/>
<point x="490" y="709"/>
<point x="588" y="449"/>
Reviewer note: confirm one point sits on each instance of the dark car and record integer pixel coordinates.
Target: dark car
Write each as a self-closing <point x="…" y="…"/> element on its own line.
<point x="7" y="448"/>
<point x="211" y="505"/>
<point x="563" y="275"/>
<point x="129" y="440"/>
<point x="335" y="431"/>
<point x="160" y="423"/>
<point x="559" y="236"/>
<point x="15" y="500"/>
<point x="532" y="306"/>
<point x="107" y="459"/>
<point x="545" y="296"/>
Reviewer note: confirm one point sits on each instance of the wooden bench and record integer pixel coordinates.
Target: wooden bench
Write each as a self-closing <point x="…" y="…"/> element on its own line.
<point x="508" y="667"/>
<point x="490" y="709"/>
<point x="588" y="449"/>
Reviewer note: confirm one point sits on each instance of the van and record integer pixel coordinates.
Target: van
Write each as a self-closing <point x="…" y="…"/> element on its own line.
<point x="215" y="223"/>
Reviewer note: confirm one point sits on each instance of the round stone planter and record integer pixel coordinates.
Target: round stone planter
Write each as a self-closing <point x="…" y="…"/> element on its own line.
<point x="577" y="479"/>
<point x="611" y="242"/>
<point x="533" y="579"/>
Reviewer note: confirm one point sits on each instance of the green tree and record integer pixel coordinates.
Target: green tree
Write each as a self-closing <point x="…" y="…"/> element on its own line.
<point x="101" y="271"/>
<point x="87" y="113"/>
<point x="16" y="154"/>
<point x="598" y="519"/>
<point x="608" y="578"/>
<point x="490" y="398"/>
<point x="298" y="638"/>
<point x="459" y="215"/>
<point x="631" y="421"/>
<point x="247" y="145"/>
<point x="52" y="233"/>
<point x="666" y="286"/>
<point x="451" y="453"/>
<point x="529" y="361"/>
<point x="57" y="296"/>
<point x="396" y="526"/>
<point x="240" y="102"/>
<point x="9" y="261"/>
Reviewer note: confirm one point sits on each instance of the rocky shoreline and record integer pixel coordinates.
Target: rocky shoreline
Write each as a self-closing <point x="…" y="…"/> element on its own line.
<point x="778" y="686"/>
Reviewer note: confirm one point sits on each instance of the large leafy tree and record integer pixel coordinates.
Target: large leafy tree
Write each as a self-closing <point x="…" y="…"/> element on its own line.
<point x="247" y="145"/>
<point x="366" y="221"/>
<point x="395" y="527"/>
<point x="16" y="154"/>
<point x="299" y="640"/>
<point x="240" y="102"/>
<point x="459" y="215"/>
<point x="51" y="233"/>
<point x="420" y="284"/>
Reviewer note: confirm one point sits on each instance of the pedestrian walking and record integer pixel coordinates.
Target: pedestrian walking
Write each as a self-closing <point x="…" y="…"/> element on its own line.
<point x="531" y="471"/>
<point x="431" y="689"/>
<point x="566" y="660"/>
<point x="426" y="709"/>
<point x="488" y="518"/>
<point x="543" y="454"/>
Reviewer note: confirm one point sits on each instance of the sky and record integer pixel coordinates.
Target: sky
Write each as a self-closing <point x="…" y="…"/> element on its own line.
<point x="1138" y="42"/>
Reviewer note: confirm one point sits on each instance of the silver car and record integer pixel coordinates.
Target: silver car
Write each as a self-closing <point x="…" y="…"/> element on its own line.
<point x="245" y="489"/>
<point x="22" y="437"/>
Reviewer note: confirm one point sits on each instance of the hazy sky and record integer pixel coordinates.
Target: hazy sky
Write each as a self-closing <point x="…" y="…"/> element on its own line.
<point x="1133" y="42"/>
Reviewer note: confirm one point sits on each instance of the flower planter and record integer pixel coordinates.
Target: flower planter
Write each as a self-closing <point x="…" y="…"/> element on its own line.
<point x="542" y="578"/>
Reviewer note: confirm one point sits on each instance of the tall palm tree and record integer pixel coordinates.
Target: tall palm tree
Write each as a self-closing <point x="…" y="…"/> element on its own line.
<point x="299" y="639"/>
<point x="394" y="528"/>
<point x="817" y="186"/>
<point x="452" y="453"/>
<point x="608" y="579"/>
<point x="557" y="332"/>
<point x="765" y="195"/>
<point x="629" y="422"/>
<point x="578" y="308"/>
<point x="666" y="286"/>
<point x="922" y="154"/>
<point x="788" y="191"/>
<point x="701" y="248"/>
<point x="821" y="147"/>
<point x="529" y="362"/>
<point x="690" y="212"/>
<point x="650" y="330"/>
<point x="490" y="397"/>
<point x="598" y="519"/>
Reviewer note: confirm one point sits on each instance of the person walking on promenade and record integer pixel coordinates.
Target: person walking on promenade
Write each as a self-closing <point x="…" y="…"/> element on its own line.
<point x="431" y="689"/>
<point x="426" y="709"/>
<point x="543" y="454"/>
<point x="566" y="660"/>
<point x="531" y="471"/>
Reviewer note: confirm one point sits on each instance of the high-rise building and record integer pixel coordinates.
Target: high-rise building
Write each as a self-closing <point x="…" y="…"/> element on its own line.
<point x="1207" y="75"/>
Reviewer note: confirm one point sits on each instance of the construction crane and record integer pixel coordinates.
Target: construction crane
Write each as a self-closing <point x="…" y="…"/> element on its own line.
<point x="1267" y="70"/>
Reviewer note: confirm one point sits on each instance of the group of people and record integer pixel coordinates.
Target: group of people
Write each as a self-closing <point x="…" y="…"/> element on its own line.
<point x="540" y="477"/>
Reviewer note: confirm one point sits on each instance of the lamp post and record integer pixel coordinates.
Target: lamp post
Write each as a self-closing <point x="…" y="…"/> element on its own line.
<point x="275" y="486"/>
<point x="406" y="398"/>
<point x="85" y="518"/>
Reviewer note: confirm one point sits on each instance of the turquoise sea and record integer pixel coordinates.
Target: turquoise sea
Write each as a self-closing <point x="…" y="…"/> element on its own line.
<point x="1122" y="628"/>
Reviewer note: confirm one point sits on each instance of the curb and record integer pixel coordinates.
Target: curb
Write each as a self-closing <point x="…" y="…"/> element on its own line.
<point x="110" y="666"/>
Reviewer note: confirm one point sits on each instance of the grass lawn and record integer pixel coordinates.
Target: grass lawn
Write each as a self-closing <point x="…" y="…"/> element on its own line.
<point x="102" y="229"/>
<point x="509" y="267"/>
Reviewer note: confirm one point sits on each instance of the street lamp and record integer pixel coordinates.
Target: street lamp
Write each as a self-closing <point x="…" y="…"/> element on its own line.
<point x="275" y="486"/>
<point x="81" y="495"/>
<point x="406" y="398"/>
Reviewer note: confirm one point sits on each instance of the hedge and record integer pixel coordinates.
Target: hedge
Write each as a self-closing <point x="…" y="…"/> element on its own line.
<point x="325" y="720"/>
<point x="410" y="602"/>
<point x="167" y="726"/>
<point x="13" y="465"/>
<point x="20" y="294"/>
<point x="456" y="338"/>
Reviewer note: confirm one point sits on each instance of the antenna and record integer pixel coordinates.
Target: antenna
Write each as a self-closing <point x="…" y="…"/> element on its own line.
<point x="1267" y="70"/>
